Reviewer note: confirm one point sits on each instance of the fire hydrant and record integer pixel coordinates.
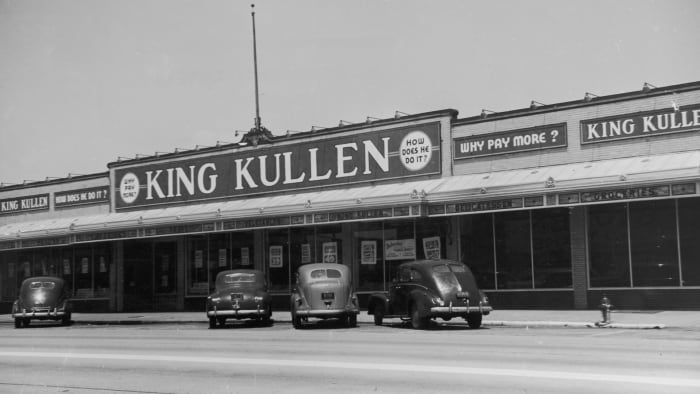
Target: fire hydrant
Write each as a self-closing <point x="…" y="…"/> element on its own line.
<point x="605" y="308"/>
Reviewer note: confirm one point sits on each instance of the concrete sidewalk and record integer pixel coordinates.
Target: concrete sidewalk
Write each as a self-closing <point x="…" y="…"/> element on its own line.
<point x="689" y="320"/>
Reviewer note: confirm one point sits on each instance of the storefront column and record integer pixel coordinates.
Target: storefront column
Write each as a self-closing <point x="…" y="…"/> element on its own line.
<point x="260" y="253"/>
<point x="452" y="238"/>
<point x="181" y="284"/>
<point x="577" y="229"/>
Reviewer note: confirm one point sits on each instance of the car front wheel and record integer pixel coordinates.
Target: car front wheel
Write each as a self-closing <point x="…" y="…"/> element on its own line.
<point x="417" y="321"/>
<point x="296" y="320"/>
<point x="212" y="322"/>
<point x="474" y="320"/>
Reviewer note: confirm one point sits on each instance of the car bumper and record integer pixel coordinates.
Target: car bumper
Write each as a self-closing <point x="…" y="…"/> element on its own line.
<point x="451" y="310"/>
<point x="52" y="314"/>
<point x="326" y="312"/>
<point x="237" y="313"/>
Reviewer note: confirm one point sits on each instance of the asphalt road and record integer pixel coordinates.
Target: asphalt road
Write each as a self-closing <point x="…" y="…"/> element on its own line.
<point x="240" y="358"/>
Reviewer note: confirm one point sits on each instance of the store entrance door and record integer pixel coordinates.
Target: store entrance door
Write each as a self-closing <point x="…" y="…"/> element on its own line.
<point x="138" y="276"/>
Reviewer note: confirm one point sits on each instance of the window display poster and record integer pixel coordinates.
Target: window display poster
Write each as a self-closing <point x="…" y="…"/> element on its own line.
<point x="84" y="265"/>
<point x="368" y="252"/>
<point x="330" y="252"/>
<point x="431" y="247"/>
<point x="103" y="264"/>
<point x="276" y="257"/>
<point x="305" y="253"/>
<point x="222" y="257"/>
<point x="27" y="269"/>
<point x="245" y="256"/>
<point x="66" y="267"/>
<point x="198" y="258"/>
<point x="400" y="249"/>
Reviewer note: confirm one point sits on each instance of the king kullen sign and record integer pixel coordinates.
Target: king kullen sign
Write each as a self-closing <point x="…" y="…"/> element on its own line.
<point x="360" y="158"/>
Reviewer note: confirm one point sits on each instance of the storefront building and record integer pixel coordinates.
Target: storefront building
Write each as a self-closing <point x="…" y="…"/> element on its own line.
<point x="551" y="206"/>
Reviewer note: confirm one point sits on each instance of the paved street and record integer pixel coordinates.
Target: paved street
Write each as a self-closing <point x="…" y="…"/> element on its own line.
<point x="188" y="357"/>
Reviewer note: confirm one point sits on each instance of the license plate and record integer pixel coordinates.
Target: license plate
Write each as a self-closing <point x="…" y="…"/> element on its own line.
<point x="327" y="296"/>
<point x="462" y="294"/>
<point x="236" y="296"/>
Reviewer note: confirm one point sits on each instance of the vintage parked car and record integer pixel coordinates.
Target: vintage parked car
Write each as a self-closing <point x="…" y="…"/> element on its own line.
<point x="429" y="289"/>
<point x="239" y="294"/>
<point x="42" y="298"/>
<point x="323" y="291"/>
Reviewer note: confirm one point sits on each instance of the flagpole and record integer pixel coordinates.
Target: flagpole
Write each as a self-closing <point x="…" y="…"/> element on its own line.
<point x="255" y="64"/>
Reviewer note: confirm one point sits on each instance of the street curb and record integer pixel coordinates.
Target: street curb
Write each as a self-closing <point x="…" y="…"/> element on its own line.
<point x="570" y="324"/>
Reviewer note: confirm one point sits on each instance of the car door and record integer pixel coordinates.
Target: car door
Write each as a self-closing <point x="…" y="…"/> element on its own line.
<point x="400" y="292"/>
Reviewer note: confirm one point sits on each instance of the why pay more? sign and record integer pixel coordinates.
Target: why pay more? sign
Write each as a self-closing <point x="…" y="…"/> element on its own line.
<point x="535" y="138"/>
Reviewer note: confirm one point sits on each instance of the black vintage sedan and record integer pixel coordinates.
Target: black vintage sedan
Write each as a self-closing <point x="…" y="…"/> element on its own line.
<point x="239" y="294"/>
<point x="324" y="291"/>
<point x="42" y="298"/>
<point x="429" y="289"/>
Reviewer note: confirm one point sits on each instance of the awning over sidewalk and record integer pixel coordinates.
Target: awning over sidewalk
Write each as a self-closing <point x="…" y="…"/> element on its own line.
<point x="670" y="168"/>
<point x="624" y="172"/>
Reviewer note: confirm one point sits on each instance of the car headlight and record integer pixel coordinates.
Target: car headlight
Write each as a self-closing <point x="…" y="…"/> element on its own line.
<point x="258" y="299"/>
<point x="437" y="301"/>
<point x="214" y="299"/>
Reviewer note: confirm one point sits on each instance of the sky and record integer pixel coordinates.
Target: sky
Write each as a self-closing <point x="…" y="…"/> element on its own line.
<point x="83" y="82"/>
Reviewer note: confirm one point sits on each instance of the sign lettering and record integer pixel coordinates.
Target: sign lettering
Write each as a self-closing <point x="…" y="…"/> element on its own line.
<point x="641" y="125"/>
<point x="368" y="157"/>
<point x="39" y="202"/>
<point x="536" y="138"/>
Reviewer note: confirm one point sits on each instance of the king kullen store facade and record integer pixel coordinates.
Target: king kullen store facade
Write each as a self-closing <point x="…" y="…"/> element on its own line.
<point x="551" y="206"/>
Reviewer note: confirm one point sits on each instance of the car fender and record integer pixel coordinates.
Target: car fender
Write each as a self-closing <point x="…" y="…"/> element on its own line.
<point x="377" y="299"/>
<point x="421" y="299"/>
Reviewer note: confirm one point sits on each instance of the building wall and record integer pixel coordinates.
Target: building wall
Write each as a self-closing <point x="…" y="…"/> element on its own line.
<point x="576" y="152"/>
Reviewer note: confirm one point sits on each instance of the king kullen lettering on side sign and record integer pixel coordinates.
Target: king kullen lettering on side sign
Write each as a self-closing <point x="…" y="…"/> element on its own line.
<point x="355" y="159"/>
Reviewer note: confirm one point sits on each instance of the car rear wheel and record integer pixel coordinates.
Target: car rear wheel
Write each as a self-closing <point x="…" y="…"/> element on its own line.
<point x="25" y="322"/>
<point x="378" y="314"/>
<point x="66" y="319"/>
<point x="212" y="322"/>
<point x="352" y="320"/>
<point x="18" y="322"/>
<point x="296" y="320"/>
<point x="474" y="320"/>
<point x="417" y="321"/>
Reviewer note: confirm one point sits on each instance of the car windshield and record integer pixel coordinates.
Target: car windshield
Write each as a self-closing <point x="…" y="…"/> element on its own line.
<point x="325" y="274"/>
<point x="42" y="285"/>
<point x="239" y="278"/>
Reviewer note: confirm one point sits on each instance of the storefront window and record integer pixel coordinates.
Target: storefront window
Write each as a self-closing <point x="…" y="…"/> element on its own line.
<point x="329" y="244"/>
<point x="607" y="245"/>
<point x="277" y="260"/>
<point x="551" y="248"/>
<point x="165" y="265"/>
<point x="688" y="219"/>
<point x="219" y="256"/>
<point x="197" y="259"/>
<point x="399" y="246"/>
<point x="431" y="238"/>
<point x="64" y="259"/>
<point x="302" y="247"/>
<point x="368" y="255"/>
<point x="653" y="243"/>
<point x="102" y="257"/>
<point x="8" y="274"/>
<point x="242" y="250"/>
<point x="82" y="263"/>
<point x="513" y="261"/>
<point x="477" y="248"/>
